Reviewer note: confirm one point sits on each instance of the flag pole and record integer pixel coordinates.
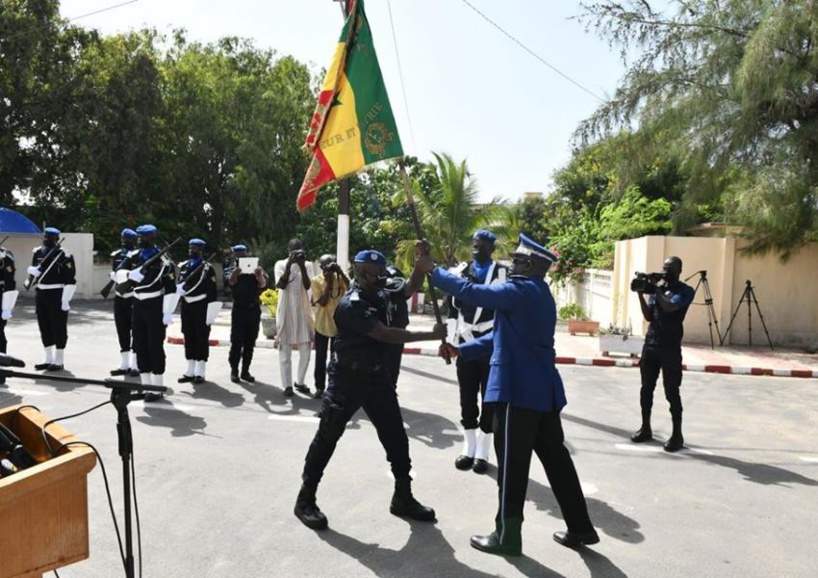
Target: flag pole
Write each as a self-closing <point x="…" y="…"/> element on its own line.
<point x="344" y="185"/>
<point x="419" y="234"/>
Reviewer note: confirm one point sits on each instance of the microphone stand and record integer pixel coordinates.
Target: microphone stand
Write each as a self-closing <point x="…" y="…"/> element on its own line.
<point x="122" y="393"/>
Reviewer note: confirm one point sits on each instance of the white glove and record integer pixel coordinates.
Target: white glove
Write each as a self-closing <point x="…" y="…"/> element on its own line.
<point x="136" y="275"/>
<point x="66" y="306"/>
<point x="180" y="289"/>
<point x="167" y="318"/>
<point x="6" y="315"/>
<point x="35" y="271"/>
<point x="112" y="276"/>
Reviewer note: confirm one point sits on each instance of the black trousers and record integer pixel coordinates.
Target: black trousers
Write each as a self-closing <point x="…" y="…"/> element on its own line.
<point x="196" y="330"/>
<point x="472" y="377"/>
<point x="517" y="433"/>
<point x="3" y="341"/>
<point x="668" y="360"/>
<point x="149" y="335"/>
<point x="394" y="355"/>
<point x="123" y="319"/>
<point x="349" y="390"/>
<point x="51" y="319"/>
<point x="244" y="322"/>
<point x="322" y="344"/>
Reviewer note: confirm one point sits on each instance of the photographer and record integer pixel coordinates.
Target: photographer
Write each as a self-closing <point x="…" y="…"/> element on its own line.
<point x="327" y="289"/>
<point x="294" y="315"/>
<point x="665" y="310"/>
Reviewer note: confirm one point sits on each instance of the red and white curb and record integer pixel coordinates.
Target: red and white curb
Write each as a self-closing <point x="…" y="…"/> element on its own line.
<point x="586" y="361"/>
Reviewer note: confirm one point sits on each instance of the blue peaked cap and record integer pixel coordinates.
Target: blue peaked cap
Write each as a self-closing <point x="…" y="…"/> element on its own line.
<point x="128" y="233"/>
<point x="197" y="242"/>
<point x="51" y="231"/>
<point x="531" y="249"/>
<point x="485" y="235"/>
<point x="239" y="247"/>
<point x="370" y="256"/>
<point x="145" y="230"/>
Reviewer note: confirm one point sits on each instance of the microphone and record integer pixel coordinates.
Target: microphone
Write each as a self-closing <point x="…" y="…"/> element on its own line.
<point x="16" y="453"/>
<point x="9" y="361"/>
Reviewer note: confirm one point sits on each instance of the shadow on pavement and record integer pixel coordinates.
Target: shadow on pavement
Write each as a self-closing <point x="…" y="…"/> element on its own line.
<point x="163" y="414"/>
<point x="426" y="374"/>
<point x="426" y="553"/>
<point x="212" y="391"/>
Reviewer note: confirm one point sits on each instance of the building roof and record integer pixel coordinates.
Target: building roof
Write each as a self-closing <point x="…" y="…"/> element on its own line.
<point x="13" y="222"/>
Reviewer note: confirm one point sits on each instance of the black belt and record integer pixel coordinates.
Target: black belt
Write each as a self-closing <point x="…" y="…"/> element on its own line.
<point x="358" y="366"/>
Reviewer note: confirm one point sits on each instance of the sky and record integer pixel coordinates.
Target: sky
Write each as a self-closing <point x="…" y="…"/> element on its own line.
<point x="457" y="84"/>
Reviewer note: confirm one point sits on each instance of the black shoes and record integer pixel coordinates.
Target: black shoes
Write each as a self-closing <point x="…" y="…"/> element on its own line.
<point x="54" y="367"/>
<point x="302" y="388"/>
<point x="576" y="540"/>
<point x="133" y="372"/>
<point x="120" y="371"/>
<point x="288" y="392"/>
<point x="491" y="544"/>
<point x="198" y="380"/>
<point x="41" y="366"/>
<point x="675" y="443"/>
<point x="307" y="510"/>
<point x="319" y="394"/>
<point x="154" y="396"/>
<point x="480" y="466"/>
<point x="464" y="463"/>
<point x="405" y="505"/>
<point x="644" y="434"/>
<point x="245" y="375"/>
<point x="234" y="377"/>
<point x="185" y="379"/>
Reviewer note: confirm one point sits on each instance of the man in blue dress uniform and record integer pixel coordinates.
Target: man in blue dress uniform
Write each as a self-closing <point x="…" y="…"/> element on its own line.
<point x="123" y="306"/>
<point x="359" y="376"/>
<point x="55" y="279"/>
<point x="526" y="390"/>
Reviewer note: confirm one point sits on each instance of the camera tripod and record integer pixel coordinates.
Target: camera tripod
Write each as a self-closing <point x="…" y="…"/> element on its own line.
<point x="750" y="296"/>
<point x="708" y="301"/>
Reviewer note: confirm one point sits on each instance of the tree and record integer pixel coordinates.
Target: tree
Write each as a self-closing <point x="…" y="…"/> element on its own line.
<point x="731" y="86"/>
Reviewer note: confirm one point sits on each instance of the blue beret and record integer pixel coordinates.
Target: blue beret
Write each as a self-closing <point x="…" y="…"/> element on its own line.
<point x="51" y="231"/>
<point x="239" y="247"/>
<point x="370" y="256"/>
<point x="486" y="235"/>
<point x="145" y="230"/>
<point x="128" y="233"/>
<point x="530" y="248"/>
<point x="197" y="242"/>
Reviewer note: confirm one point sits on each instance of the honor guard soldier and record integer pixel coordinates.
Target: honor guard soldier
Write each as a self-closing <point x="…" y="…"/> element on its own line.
<point x="527" y="391"/>
<point x="358" y="377"/>
<point x="8" y="289"/>
<point x="123" y="306"/>
<point x="53" y="274"/>
<point x="245" y="287"/>
<point x="467" y="322"/>
<point x="196" y="285"/>
<point x="154" y="287"/>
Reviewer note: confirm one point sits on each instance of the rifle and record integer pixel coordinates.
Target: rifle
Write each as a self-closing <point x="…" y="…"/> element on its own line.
<point x="127" y="285"/>
<point x="105" y="291"/>
<point x="6" y="238"/>
<point x="31" y="280"/>
<point x="198" y="268"/>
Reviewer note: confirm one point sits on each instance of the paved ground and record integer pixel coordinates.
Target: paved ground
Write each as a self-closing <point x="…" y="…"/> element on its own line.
<point x="218" y="470"/>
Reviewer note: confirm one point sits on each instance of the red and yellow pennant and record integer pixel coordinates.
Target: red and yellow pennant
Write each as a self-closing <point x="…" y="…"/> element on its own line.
<point x="352" y="125"/>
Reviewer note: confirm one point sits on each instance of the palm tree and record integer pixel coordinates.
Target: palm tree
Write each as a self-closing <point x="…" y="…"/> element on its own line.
<point x="449" y="212"/>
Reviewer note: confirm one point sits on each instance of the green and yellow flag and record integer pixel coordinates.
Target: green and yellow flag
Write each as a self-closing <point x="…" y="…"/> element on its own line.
<point x="352" y="126"/>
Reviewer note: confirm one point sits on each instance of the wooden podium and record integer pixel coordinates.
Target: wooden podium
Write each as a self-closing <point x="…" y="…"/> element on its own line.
<point x="43" y="509"/>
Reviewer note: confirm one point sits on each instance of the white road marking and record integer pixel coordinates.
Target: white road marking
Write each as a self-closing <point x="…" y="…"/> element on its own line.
<point x="31" y="392"/>
<point x="809" y="459"/>
<point x="297" y="418"/>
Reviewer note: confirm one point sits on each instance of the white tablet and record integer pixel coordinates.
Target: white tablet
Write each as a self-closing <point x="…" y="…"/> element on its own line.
<point x="248" y="264"/>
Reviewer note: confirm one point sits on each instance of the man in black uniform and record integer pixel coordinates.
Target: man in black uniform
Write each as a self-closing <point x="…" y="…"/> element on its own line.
<point x="54" y="274"/>
<point x="123" y="306"/>
<point x="399" y="311"/>
<point x="155" y="300"/>
<point x="358" y="377"/>
<point x="245" y="287"/>
<point x="8" y="290"/>
<point x="469" y="322"/>
<point x="197" y="287"/>
<point x="665" y="310"/>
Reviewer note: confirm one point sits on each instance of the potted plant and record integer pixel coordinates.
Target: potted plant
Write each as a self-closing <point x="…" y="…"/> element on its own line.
<point x="578" y="322"/>
<point x="269" y="299"/>
<point x="620" y="340"/>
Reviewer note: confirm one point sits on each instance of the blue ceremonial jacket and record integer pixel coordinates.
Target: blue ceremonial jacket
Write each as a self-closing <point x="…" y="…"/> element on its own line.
<point x="521" y="344"/>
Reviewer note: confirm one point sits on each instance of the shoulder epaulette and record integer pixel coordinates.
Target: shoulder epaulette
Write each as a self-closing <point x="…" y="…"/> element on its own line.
<point x="133" y="253"/>
<point x="115" y="253"/>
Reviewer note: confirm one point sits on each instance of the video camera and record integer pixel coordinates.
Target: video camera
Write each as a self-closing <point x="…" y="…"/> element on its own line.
<point x="646" y="282"/>
<point x="298" y="255"/>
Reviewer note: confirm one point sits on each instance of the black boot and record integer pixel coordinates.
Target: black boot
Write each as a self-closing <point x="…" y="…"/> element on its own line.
<point x="245" y="374"/>
<point x="506" y="540"/>
<point x="405" y="505"/>
<point x="644" y="434"/>
<point x="307" y="510"/>
<point x="676" y="441"/>
<point x="234" y="375"/>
